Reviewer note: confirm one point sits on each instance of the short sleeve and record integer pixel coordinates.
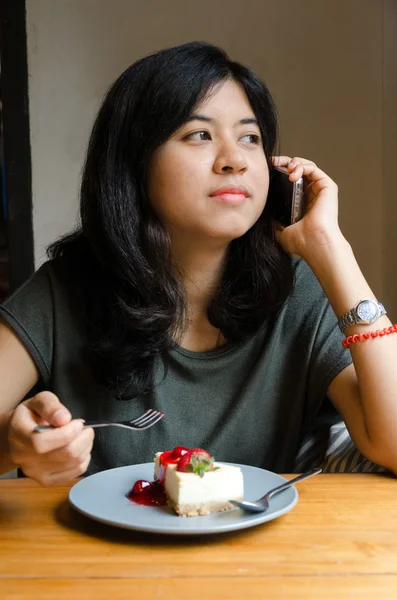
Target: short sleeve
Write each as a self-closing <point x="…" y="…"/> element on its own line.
<point x="322" y="340"/>
<point x="29" y="312"/>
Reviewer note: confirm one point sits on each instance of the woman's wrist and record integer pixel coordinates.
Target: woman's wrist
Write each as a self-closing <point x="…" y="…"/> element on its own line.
<point x="325" y="246"/>
<point x="339" y="274"/>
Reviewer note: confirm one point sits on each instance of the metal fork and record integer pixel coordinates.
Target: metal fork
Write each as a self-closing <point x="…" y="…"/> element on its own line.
<point x="148" y="419"/>
<point x="263" y="503"/>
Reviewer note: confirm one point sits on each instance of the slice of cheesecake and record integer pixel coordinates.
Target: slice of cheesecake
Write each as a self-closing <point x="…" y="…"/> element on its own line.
<point x="199" y="489"/>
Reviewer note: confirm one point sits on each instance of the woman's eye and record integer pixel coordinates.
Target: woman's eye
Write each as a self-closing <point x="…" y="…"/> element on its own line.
<point x="201" y="136"/>
<point x="253" y="138"/>
<point x="198" y="136"/>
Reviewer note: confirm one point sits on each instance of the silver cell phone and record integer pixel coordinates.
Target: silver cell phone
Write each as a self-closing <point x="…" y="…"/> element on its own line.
<point x="288" y="197"/>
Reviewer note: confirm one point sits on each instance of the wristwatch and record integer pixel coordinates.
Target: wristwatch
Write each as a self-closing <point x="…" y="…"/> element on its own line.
<point x="364" y="313"/>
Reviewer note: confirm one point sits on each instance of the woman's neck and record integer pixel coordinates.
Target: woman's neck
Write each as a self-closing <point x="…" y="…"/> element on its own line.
<point x="201" y="267"/>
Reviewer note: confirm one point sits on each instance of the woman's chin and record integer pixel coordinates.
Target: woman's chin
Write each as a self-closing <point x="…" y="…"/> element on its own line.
<point x="228" y="233"/>
<point x="213" y="231"/>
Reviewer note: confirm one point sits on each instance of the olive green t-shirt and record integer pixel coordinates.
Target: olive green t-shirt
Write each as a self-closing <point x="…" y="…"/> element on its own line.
<point x="249" y="403"/>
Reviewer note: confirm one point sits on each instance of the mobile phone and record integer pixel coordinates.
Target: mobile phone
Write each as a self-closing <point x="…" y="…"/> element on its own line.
<point x="287" y="197"/>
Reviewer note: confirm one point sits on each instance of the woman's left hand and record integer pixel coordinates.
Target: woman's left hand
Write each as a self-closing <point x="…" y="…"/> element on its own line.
<point x="319" y="225"/>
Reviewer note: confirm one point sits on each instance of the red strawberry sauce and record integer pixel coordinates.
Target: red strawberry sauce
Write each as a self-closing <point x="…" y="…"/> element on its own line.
<point x="152" y="493"/>
<point x="148" y="493"/>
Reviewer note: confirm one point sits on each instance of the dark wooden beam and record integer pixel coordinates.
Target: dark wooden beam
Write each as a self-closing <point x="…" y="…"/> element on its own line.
<point x="16" y="138"/>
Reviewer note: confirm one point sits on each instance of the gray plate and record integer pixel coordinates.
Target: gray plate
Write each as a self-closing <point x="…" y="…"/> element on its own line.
<point x="103" y="497"/>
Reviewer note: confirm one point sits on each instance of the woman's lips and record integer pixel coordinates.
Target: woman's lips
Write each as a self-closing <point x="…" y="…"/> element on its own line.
<point x="231" y="194"/>
<point x="230" y="198"/>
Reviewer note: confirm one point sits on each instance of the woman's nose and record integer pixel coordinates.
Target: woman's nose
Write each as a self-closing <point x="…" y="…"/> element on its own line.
<point x="230" y="158"/>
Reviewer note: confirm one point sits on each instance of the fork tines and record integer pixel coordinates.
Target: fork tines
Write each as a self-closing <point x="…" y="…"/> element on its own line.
<point x="149" y="418"/>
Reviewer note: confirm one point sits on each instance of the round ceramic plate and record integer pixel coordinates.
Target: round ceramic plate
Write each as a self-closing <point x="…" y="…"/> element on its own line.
<point x="103" y="497"/>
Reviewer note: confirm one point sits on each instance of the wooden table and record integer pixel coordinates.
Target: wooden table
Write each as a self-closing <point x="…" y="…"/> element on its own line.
<point x="340" y="541"/>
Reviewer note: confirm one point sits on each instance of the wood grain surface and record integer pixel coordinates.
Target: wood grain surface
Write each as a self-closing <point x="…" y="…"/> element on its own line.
<point x="340" y="541"/>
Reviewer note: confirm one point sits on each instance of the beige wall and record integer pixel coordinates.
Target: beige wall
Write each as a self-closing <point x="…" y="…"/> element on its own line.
<point x="323" y="60"/>
<point x="389" y="156"/>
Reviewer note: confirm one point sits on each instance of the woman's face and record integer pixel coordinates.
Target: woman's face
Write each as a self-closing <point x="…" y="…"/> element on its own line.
<point x="219" y="147"/>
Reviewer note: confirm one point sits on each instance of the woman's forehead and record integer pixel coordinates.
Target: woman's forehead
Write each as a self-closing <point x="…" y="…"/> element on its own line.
<point x="227" y="100"/>
<point x="228" y="90"/>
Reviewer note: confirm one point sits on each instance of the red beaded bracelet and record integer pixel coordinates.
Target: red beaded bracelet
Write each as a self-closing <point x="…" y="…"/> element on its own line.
<point x="359" y="337"/>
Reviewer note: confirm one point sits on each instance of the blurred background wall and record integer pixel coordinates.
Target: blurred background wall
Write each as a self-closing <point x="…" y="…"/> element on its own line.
<point x="330" y="64"/>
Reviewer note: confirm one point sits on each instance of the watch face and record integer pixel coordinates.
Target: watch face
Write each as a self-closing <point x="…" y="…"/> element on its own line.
<point x="367" y="310"/>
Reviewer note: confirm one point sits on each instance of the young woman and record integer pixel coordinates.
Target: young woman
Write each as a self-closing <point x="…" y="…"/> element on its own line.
<point x="178" y="293"/>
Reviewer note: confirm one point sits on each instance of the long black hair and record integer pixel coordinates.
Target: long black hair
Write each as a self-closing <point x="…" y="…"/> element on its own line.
<point x="120" y="257"/>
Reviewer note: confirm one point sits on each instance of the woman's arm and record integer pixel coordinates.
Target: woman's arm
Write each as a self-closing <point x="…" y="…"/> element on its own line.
<point x="6" y="463"/>
<point x="51" y="457"/>
<point x="18" y="375"/>
<point x="365" y="394"/>
<point x="18" y="372"/>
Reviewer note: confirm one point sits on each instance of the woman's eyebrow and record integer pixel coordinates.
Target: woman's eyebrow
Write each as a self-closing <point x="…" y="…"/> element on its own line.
<point x="199" y="117"/>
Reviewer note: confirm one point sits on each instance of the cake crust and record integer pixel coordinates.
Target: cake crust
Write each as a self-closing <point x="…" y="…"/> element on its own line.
<point x="196" y="510"/>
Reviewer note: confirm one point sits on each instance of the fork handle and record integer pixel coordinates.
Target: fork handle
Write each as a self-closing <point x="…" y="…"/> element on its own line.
<point x="287" y="484"/>
<point x="95" y="423"/>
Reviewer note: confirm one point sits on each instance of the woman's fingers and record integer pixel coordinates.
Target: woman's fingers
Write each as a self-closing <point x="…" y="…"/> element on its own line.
<point x="44" y="408"/>
<point x="299" y="167"/>
<point x="28" y="446"/>
<point x="22" y="426"/>
<point x="281" y="161"/>
<point x="49" y="409"/>
<point x="71" y="454"/>
<point x="62" y="464"/>
<point x="53" y="439"/>
<point x="53" y="456"/>
<point x="285" y="161"/>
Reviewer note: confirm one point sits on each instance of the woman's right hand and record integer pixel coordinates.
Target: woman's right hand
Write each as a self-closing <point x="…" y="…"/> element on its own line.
<point x="55" y="456"/>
